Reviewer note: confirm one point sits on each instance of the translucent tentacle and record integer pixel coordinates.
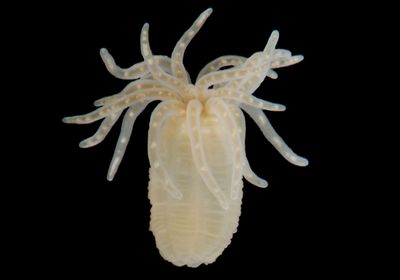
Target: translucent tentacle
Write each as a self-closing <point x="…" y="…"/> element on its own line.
<point x="106" y="100"/>
<point x="126" y="130"/>
<point x="167" y="80"/>
<point x="253" y="66"/>
<point x="270" y="73"/>
<point x="248" y="173"/>
<point x="263" y="60"/>
<point x="252" y="177"/>
<point x="269" y="54"/>
<point x="121" y="104"/>
<point x="286" y="61"/>
<point x="102" y="132"/>
<point x="194" y="109"/>
<point x="269" y="59"/>
<point x="132" y="87"/>
<point x="270" y="134"/>
<point x="178" y="68"/>
<point x="281" y="53"/>
<point x="280" y="58"/>
<point x="221" y="110"/>
<point x="271" y="44"/>
<point x="250" y="83"/>
<point x="223" y="76"/>
<point x="230" y="77"/>
<point x="162" y="113"/>
<point x="218" y="63"/>
<point x="249" y="100"/>
<point x="138" y="70"/>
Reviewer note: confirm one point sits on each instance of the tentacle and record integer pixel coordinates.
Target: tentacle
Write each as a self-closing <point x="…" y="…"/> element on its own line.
<point x="138" y="70"/>
<point x="194" y="109"/>
<point x="223" y="76"/>
<point x="106" y="100"/>
<point x="132" y="87"/>
<point x="271" y="44"/>
<point x="254" y="65"/>
<point x="221" y="110"/>
<point x="178" y="68"/>
<point x="248" y="173"/>
<point x="286" y="61"/>
<point x="167" y="80"/>
<point x="269" y="132"/>
<point x="248" y="99"/>
<point x="270" y="58"/>
<point x="269" y="55"/>
<point x="281" y="53"/>
<point x="248" y="74"/>
<point x="279" y="56"/>
<point x="252" y="177"/>
<point x="102" y="132"/>
<point x="162" y="113"/>
<point x="250" y="83"/>
<point x="126" y="130"/>
<point x="120" y="104"/>
<point x="261" y="69"/>
<point x="218" y="63"/>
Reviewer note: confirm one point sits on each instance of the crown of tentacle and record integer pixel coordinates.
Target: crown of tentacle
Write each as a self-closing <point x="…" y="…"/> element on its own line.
<point x="225" y="92"/>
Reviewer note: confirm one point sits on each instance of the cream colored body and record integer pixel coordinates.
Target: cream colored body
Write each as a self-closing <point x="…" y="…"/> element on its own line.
<point x="194" y="229"/>
<point x="196" y="139"/>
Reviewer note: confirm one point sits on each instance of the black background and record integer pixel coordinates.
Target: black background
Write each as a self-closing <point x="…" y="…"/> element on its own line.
<point x="303" y="224"/>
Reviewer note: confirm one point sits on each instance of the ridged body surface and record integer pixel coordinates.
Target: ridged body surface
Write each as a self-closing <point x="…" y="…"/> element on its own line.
<point x="195" y="229"/>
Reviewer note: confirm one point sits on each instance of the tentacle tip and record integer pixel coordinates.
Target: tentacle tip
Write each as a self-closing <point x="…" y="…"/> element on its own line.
<point x="297" y="160"/>
<point x="272" y="74"/>
<point x="110" y="177"/>
<point x="280" y="108"/>
<point x="299" y="57"/>
<point x="85" y="144"/>
<point x="264" y="184"/>
<point x="275" y="33"/>
<point x="208" y="11"/>
<point x="145" y="26"/>
<point x="103" y="51"/>
<point x="67" y="120"/>
<point x="302" y="162"/>
<point x="82" y="144"/>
